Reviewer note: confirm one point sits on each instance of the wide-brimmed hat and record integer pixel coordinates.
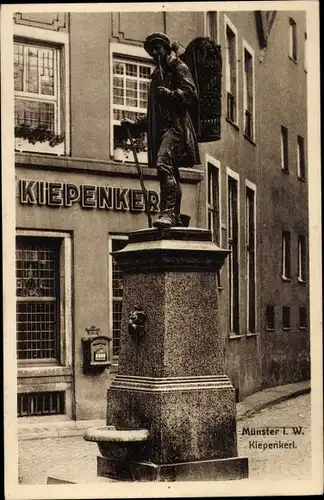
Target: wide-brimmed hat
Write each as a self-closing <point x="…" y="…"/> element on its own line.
<point x="156" y="38"/>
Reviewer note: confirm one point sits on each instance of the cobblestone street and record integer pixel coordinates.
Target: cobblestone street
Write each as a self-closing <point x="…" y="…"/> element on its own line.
<point x="279" y="463"/>
<point x="41" y="458"/>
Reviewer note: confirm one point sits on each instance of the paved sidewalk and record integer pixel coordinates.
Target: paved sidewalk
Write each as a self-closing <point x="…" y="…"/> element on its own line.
<point x="269" y="397"/>
<point x="246" y="408"/>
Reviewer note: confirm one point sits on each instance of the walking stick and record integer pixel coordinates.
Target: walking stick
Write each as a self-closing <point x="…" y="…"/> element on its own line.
<point x="144" y="191"/>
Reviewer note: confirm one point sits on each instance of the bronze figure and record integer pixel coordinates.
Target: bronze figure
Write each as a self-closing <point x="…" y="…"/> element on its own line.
<point x="171" y="136"/>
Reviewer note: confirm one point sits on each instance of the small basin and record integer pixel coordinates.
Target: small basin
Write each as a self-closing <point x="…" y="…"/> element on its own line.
<point x="119" y="444"/>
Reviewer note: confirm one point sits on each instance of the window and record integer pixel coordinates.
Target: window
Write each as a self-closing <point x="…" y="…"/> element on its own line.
<point x="211" y="28"/>
<point x="301" y="258"/>
<point x="213" y="202"/>
<point x="39" y="124"/>
<point x="130" y="86"/>
<point x="116" y="287"/>
<point x="233" y="245"/>
<point x="248" y="90"/>
<point x="286" y="269"/>
<point x="213" y="206"/>
<point x="302" y="318"/>
<point x="32" y="404"/>
<point x="292" y="39"/>
<point x="305" y="52"/>
<point x="284" y="149"/>
<point x="38" y="299"/>
<point x="300" y="158"/>
<point x="231" y="72"/>
<point x="270" y="317"/>
<point x="286" y="317"/>
<point x="250" y="260"/>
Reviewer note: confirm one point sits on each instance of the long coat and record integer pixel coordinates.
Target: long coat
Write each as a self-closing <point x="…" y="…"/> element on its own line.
<point x="168" y="124"/>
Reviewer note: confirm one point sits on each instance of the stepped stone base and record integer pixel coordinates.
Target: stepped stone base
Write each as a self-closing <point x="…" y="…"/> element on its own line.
<point x="206" y="470"/>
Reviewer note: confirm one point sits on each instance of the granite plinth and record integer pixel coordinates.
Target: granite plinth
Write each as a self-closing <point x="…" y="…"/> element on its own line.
<point x="189" y="419"/>
<point x="204" y="470"/>
<point x="182" y="337"/>
<point x="171" y="379"/>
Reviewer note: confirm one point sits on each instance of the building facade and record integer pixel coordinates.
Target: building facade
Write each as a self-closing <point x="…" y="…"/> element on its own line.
<point x="76" y="75"/>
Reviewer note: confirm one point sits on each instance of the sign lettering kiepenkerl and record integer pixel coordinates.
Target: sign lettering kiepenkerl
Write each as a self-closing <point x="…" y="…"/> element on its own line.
<point x="59" y="194"/>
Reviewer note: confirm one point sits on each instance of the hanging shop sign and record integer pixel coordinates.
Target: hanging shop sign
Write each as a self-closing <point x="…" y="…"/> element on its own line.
<point x="59" y="194"/>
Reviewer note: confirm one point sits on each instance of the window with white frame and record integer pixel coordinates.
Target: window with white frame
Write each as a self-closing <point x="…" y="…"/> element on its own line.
<point x="130" y="86"/>
<point x="284" y="149"/>
<point x="211" y="27"/>
<point x="213" y="206"/>
<point x="233" y="258"/>
<point x="248" y="92"/>
<point x="301" y="258"/>
<point x="39" y="118"/>
<point x="250" y="234"/>
<point x="43" y="303"/>
<point x="292" y="39"/>
<point x="300" y="158"/>
<point x="116" y="293"/>
<point x="231" y="71"/>
<point x="286" y="266"/>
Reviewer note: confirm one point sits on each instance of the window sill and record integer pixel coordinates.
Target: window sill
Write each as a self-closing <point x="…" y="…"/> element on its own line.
<point x="43" y="371"/>
<point x="285" y="171"/>
<point x="284" y="278"/>
<point x="251" y="141"/>
<point x="252" y="334"/>
<point x="270" y="329"/>
<point x="301" y="179"/>
<point x="286" y="328"/>
<point x="23" y="145"/>
<point x="234" y="125"/>
<point x="292" y="59"/>
<point x="303" y="328"/>
<point x="301" y="281"/>
<point x="233" y="336"/>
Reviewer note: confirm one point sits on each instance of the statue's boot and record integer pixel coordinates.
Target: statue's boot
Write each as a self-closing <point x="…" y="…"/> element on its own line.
<point x="169" y="188"/>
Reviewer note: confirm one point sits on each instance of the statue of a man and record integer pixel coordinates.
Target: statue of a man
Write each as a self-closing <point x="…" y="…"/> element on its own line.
<point x="171" y="137"/>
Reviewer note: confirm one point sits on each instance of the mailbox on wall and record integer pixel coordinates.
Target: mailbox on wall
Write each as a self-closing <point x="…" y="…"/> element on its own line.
<point x="95" y="351"/>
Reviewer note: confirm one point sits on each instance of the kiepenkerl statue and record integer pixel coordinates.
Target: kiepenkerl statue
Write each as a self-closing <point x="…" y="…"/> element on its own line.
<point x="172" y="119"/>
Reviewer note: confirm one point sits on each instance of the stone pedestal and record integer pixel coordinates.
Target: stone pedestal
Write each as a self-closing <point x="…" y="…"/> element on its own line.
<point x="171" y="379"/>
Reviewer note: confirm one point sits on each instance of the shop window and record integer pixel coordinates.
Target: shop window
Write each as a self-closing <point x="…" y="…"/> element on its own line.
<point x="232" y="259"/>
<point x="286" y="267"/>
<point x="270" y="317"/>
<point x="248" y="90"/>
<point x="300" y="158"/>
<point x="130" y="86"/>
<point x="231" y="71"/>
<point x="213" y="206"/>
<point x="292" y="39"/>
<point x="116" y="287"/>
<point x="250" y="259"/>
<point x="38" y="108"/>
<point x="302" y="318"/>
<point x="301" y="258"/>
<point x="38" y="300"/>
<point x="211" y="29"/>
<point x="286" y="317"/>
<point x="284" y="149"/>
